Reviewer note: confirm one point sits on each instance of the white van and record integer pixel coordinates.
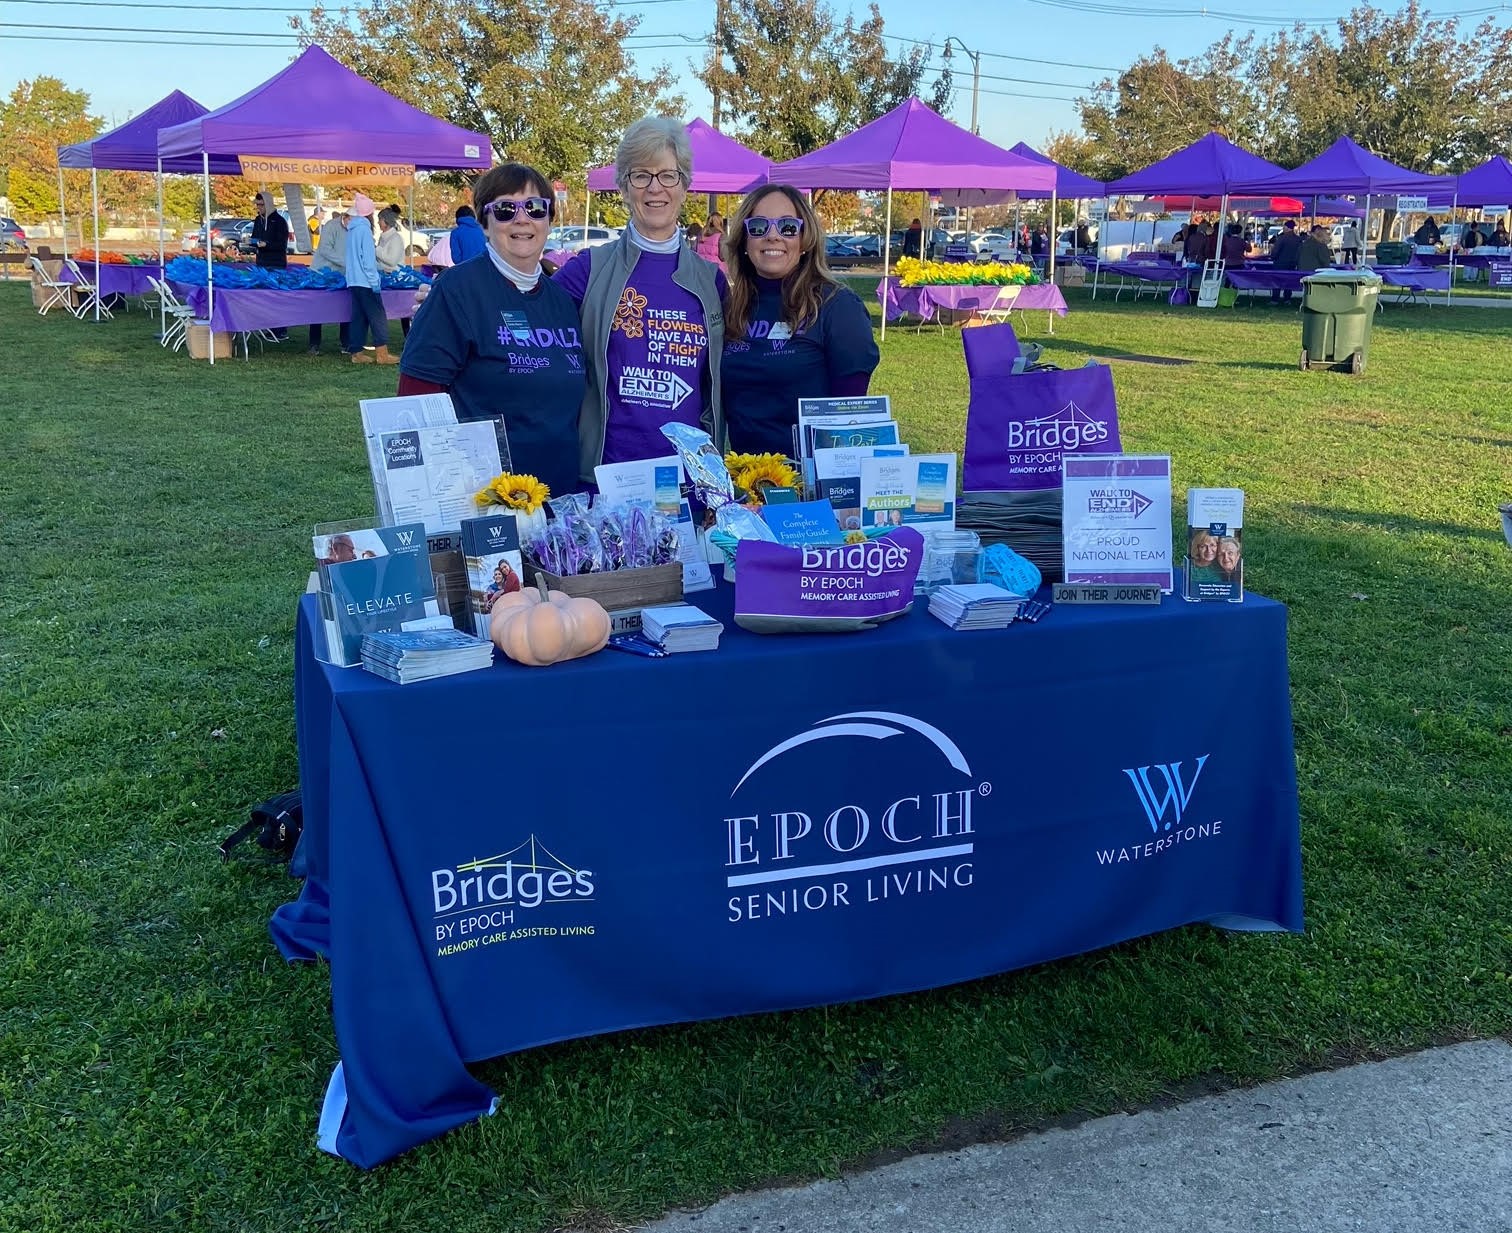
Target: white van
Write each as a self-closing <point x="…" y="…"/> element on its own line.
<point x="1117" y="238"/>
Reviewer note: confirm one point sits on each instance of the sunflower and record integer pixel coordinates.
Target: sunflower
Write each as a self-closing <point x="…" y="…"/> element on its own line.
<point x="763" y="471"/>
<point x="519" y="492"/>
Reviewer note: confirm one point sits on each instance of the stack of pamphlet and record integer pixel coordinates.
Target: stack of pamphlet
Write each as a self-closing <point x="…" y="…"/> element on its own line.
<point x="975" y="605"/>
<point x="423" y="654"/>
<point x="680" y="627"/>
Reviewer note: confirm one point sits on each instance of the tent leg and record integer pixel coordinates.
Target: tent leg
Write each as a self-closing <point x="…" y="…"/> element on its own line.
<point x="209" y="265"/>
<point x="587" y="209"/>
<point x="62" y="211"/>
<point x="886" y="253"/>
<point x="1453" y="214"/>
<point x="162" y="253"/>
<point x="94" y="193"/>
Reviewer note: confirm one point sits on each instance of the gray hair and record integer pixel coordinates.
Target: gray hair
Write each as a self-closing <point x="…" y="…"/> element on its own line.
<point x="648" y="138"/>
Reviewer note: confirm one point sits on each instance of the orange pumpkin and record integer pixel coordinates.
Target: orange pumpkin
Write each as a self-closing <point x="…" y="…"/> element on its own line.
<point x="540" y="627"/>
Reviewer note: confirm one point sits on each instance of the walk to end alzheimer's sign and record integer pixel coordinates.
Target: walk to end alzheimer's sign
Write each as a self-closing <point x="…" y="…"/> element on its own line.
<point x="1116" y="519"/>
<point x="1018" y="428"/>
<point x="276" y="169"/>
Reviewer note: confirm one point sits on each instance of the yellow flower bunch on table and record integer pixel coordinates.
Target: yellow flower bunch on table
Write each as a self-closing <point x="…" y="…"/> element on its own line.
<point x="518" y="492"/>
<point x="915" y="273"/>
<point x="754" y="473"/>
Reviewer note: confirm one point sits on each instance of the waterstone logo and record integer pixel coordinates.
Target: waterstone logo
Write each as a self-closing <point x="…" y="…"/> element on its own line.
<point x="889" y="817"/>
<point x="1070" y="428"/>
<point x="483" y="902"/>
<point x="1164" y="791"/>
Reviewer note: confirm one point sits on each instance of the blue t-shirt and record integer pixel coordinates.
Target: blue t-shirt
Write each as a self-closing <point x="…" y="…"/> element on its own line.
<point x="764" y="374"/>
<point x="657" y="366"/>
<point x="509" y="356"/>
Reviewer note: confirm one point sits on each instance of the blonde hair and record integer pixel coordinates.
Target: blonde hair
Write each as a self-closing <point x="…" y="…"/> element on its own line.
<point x="645" y="141"/>
<point x="803" y="291"/>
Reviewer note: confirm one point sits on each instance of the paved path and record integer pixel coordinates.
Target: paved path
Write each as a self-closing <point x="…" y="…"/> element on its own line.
<point x="1418" y="1144"/>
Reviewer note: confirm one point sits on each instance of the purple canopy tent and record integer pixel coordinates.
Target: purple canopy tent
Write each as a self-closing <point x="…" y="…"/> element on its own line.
<point x="1212" y="166"/>
<point x="720" y="164"/>
<point x="1347" y="167"/>
<point x="1068" y="183"/>
<point x="317" y="108"/>
<point x="1488" y="184"/>
<point x="917" y="150"/>
<point x="133" y="147"/>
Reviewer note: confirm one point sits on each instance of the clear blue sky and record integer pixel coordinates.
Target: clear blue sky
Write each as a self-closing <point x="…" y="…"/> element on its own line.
<point x="1062" y="47"/>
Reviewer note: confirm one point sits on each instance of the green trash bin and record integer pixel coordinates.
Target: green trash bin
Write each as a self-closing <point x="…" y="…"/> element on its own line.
<point x="1338" y="309"/>
<point x="1393" y="252"/>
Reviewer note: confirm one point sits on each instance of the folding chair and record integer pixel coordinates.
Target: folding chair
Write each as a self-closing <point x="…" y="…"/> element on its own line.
<point x="90" y="291"/>
<point x="1211" y="285"/>
<point x="176" y="315"/>
<point x="59" y="294"/>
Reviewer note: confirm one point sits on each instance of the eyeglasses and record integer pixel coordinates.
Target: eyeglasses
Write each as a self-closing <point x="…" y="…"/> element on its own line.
<point x="787" y="227"/>
<point x="535" y="208"/>
<point x="667" y="179"/>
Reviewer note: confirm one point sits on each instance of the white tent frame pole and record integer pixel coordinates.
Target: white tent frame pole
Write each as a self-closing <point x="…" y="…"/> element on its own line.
<point x="409" y="223"/>
<point x="587" y="209"/>
<point x="886" y="254"/>
<point x="162" y="253"/>
<point x="1054" y="229"/>
<point x="94" y="194"/>
<point x="62" y="211"/>
<point x="1453" y="214"/>
<point x="1097" y="268"/>
<point x="209" y="266"/>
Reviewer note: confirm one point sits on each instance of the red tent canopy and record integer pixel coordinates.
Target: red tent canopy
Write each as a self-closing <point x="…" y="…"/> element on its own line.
<point x="1245" y="205"/>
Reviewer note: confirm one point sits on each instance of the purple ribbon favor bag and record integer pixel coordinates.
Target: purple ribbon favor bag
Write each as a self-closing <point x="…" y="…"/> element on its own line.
<point x="826" y="588"/>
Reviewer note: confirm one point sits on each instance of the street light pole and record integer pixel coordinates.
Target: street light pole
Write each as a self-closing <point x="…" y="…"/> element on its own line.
<point x="976" y="77"/>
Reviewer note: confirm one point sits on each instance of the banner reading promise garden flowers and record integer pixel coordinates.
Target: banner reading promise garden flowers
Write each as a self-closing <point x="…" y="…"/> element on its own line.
<point x="1018" y="427"/>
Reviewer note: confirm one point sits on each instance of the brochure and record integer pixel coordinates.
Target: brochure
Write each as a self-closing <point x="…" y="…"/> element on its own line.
<point x="806" y="522"/>
<point x="831" y="414"/>
<point x="656" y="483"/>
<point x="430" y="474"/>
<point x="917" y="491"/>
<point x="1215" y="545"/>
<point x="374" y="579"/>
<point x="1116" y="519"/>
<point x="837" y="478"/>
<point x="491" y="547"/>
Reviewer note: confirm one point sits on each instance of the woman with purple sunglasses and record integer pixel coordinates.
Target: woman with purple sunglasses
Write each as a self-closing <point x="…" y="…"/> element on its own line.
<point x="791" y="330"/>
<point x="504" y="340"/>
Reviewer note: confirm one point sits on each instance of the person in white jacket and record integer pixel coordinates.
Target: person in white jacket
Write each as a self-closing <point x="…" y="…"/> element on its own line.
<point x="391" y="249"/>
<point x="330" y="254"/>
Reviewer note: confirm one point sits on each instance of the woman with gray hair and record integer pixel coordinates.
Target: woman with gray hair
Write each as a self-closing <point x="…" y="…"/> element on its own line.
<point x="653" y="325"/>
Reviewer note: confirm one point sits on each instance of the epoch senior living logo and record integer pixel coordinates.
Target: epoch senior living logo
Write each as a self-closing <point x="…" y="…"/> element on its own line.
<point x="886" y="815"/>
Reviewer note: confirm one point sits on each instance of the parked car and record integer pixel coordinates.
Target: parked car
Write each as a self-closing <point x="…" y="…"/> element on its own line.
<point x="994" y="247"/>
<point x="868" y="247"/>
<point x="223" y="235"/>
<point x="11" y="234"/>
<point x="575" y="239"/>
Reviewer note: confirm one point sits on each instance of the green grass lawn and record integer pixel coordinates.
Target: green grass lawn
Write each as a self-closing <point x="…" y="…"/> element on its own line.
<point x="160" y="1066"/>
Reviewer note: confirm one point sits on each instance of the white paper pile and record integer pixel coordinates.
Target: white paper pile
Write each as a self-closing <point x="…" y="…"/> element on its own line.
<point x="975" y="605"/>
<point x="680" y="627"/>
<point x="423" y="654"/>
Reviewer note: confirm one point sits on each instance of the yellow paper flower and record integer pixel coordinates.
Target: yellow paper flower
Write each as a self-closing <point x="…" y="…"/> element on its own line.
<point x="855" y="537"/>
<point x="521" y="492"/>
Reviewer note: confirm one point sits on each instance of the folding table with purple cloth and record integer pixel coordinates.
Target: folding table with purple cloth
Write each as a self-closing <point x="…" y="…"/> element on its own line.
<point x="111" y="278"/>
<point x="924" y="302"/>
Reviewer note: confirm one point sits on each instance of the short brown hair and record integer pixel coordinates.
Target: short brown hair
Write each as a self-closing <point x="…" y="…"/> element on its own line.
<point x="510" y="178"/>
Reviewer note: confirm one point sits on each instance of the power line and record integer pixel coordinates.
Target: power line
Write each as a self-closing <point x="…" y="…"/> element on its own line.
<point x="264" y="8"/>
<point x="1125" y="11"/>
<point x="210" y="39"/>
<point x="287" y="35"/>
<point x="999" y="55"/>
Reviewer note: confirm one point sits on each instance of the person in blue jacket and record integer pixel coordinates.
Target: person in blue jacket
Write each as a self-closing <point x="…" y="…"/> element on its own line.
<point x="363" y="282"/>
<point x="791" y="331"/>
<point x="467" y="239"/>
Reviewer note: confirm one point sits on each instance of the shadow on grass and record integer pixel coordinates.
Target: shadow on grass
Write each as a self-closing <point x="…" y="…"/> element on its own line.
<point x="1402" y="522"/>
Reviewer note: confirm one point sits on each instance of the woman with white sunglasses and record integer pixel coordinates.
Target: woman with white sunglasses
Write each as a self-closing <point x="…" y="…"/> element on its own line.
<point x="791" y="330"/>
<point x="653" y="325"/>
<point x="503" y="340"/>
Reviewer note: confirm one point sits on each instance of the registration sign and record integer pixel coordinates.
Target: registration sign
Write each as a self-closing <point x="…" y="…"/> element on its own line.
<point x="1411" y="205"/>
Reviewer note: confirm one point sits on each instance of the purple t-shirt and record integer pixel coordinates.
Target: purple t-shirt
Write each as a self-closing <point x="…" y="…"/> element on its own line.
<point x="658" y="361"/>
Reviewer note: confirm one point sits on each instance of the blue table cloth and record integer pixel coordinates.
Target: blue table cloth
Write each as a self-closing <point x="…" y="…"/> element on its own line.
<point x="517" y="856"/>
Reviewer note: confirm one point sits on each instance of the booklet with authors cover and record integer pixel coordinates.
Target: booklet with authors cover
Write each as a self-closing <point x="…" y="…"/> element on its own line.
<point x="1215" y="545"/>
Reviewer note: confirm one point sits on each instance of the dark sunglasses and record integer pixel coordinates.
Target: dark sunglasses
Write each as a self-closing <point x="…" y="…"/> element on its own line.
<point x="535" y="208"/>
<point x="787" y="228"/>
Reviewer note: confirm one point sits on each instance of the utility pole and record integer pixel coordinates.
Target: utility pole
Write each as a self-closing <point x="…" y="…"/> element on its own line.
<point x="976" y="78"/>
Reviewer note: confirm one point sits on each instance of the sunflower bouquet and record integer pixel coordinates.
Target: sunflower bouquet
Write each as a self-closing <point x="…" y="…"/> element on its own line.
<point x="915" y="273"/>
<point x="755" y="474"/>
<point x="522" y="493"/>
